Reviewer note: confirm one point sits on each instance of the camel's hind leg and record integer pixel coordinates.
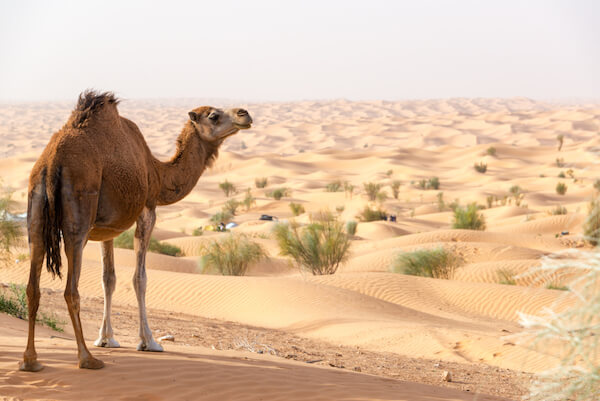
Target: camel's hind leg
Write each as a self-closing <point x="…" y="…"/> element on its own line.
<point x="143" y="231"/>
<point x="109" y="281"/>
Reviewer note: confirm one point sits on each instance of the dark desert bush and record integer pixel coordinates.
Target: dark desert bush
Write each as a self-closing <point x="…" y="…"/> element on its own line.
<point x="227" y="187"/>
<point x="336" y="186"/>
<point x="561" y="188"/>
<point x="436" y="263"/>
<point x="491" y="151"/>
<point x="351" y="226"/>
<point x="372" y="189"/>
<point x="297" y="209"/>
<point x="278" y="193"/>
<point x="368" y="214"/>
<point x="480" y="167"/>
<point x="468" y="218"/>
<point x="320" y="247"/>
<point x="231" y="256"/>
<point x="260" y="182"/>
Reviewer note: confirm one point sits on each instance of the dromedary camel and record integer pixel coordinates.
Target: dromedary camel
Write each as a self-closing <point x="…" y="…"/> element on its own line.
<point x="97" y="177"/>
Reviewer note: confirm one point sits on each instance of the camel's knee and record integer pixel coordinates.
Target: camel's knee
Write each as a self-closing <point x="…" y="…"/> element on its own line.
<point x="33" y="292"/>
<point x="109" y="281"/>
<point x="72" y="297"/>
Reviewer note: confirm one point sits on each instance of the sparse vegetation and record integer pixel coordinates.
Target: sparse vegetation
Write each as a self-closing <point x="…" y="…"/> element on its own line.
<point x="562" y="175"/>
<point x="13" y="302"/>
<point x="389" y="173"/>
<point x="278" y="193"/>
<point x="231" y="256"/>
<point x="431" y="183"/>
<point x="381" y="196"/>
<point x="480" y="167"/>
<point x="249" y="200"/>
<point x="320" y="247"/>
<point x="340" y="208"/>
<point x="348" y="189"/>
<point x="231" y="206"/>
<point x="297" y="209"/>
<point x="491" y="151"/>
<point x="440" y="201"/>
<point x="125" y="240"/>
<point x="372" y="189"/>
<point x="198" y="231"/>
<point x="436" y="263"/>
<point x="396" y="188"/>
<point x="260" y="182"/>
<point x="506" y="277"/>
<point x="221" y="217"/>
<point x="591" y="228"/>
<point x="561" y="188"/>
<point x="555" y="286"/>
<point x="10" y="230"/>
<point x="227" y="187"/>
<point x="368" y="214"/>
<point x="351" y="226"/>
<point x="489" y="201"/>
<point x="335" y="186"/>
<point x="597" y="185"/>
<point x="557" y="210"/>
<point x="468" y="218"/>
<point x="560" y="138"/>
<point x="560" y="162"/>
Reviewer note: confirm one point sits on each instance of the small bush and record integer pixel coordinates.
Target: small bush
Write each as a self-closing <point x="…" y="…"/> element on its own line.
<point x="10" y="230"/>
<point x="15" y="304"/>
<point x="165" y="249"/>
<point x="491" y="151"/>
<point x="560" y="138"/>
<point x="260" y="182"/>
<point x="231" y="256"/>
<point x="506" y="277"/>
<point x="227" y="187"/>
<point x="436" y="263"/>
<point x="561" y="188"/>
<point x="560" y="162"/>
<point x="468" y="218"/>
<point x="557" y="210"/>
<point x="231" y="206"/>
<point x="369" y="214"/>
<point x="351" y="226"/>
<point x="348" y="189"/>
<point x="381" y="196"/>
<point x="389" y="173"/>
<point x="278" y="193"/>
<point x="197" y="232"/>
<point x="489" y="201"/>
<point x="221" y="217"/>
<point x="340" y="209"/>
<point x="555" y="286"/>
<point x="396" y="188"/>
<point x="591" y="228"/>
<point x="320" y="247"/>
<point x="249" y="200"/>
<point x="433" y="183"/>
<point x="372" y="189"/>
<point x="480" y="167"/>
<point x="335" y="186"/>
<point x="440" y="201"/>
<point x="562" y="175"/>
<point x="124" y="240"/>
<point x="297" y="209"/>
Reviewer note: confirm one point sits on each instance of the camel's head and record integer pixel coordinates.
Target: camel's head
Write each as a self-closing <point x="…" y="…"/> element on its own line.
<point x="215" y="124"/>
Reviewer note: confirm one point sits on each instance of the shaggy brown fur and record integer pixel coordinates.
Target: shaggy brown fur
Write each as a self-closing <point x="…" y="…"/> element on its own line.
<point x="94" y="179"/>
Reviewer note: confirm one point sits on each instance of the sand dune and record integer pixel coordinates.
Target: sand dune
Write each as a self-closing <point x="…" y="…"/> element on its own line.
<point x="304" y="146"/>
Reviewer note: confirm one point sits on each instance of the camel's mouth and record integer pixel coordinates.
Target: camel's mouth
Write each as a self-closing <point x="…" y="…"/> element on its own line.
<point x="242" y="126"/>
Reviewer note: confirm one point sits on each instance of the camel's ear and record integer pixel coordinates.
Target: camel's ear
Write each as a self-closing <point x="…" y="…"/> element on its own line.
<point x="193" y="116"/>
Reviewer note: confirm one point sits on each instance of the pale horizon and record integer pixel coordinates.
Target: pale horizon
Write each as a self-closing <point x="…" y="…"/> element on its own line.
<point x="266" y="51"/>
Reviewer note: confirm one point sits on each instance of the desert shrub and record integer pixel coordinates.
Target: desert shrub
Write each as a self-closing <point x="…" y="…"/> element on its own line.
<point x="320" y="247"/>
<point x="433" y="183"/>
<point x="560" y="138"/>
<point x="560" y="162"/>
<point x="561" y="188"/>
<point x="389" y="173"/>
<point x="372" y="189"/>
<point x="10" y="230"/>
<point x="489" y="201"/>
<point x="231" y="256"/>
<point x="348" y="188"/>
<point x="340" y="208"/>
<point x="381" y="196"/>
<point x="368" y="214"/>
<point x="558" y="287"/>
<point x="436" y="263"/>
<point x="297" y="209"/>
<point x="197" y="232"/>
<point x="249" y="200"/>
<point x="468" y="218"/>
<point x="231" y="206"/>
<point x="260" y="182"/>
<point x="124" y="240"/>
<point x="351" y="226"/>
<point x="506" y="277"/>
<point x="396" y="188"/>
<point x="163" y="248"/>
<point x="227" y="187"/>
<point x="221" y="217"/>
<point x="491" y="151"/>
<point x="562" y="175"/>
<point x="591" y="228"/>
<point x="14" y="302"/>
<point x="557" y="210"/>
<point x="278" y="193"/>
<point x="480" y="167"/>
<point x="335" y="186"/>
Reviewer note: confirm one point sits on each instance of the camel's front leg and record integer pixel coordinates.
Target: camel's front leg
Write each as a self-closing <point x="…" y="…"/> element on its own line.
<point x="109" y="280"/>
<point x="143" y="231"/>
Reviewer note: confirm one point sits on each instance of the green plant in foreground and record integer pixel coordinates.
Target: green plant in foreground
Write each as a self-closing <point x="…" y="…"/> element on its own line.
<point x="468" y="218"/>
<point x="561" y="188"/>
<point x="231" y="256"/>
<point x="125" y="240"/>
<point x="297" y="209"/>
<point x="351" y="226"/>
<point x="14" y="303"/>
<point x="320" y="247"/>
<point x="436" y="263"/>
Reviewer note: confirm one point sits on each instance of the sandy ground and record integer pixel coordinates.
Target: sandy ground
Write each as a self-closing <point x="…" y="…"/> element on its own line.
<point x="394" y="334"/>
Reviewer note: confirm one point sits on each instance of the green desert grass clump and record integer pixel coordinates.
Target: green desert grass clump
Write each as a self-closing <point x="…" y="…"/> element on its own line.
<point x="260" y="182"/>
<point x="231" y="206"/>
<point x="436" y="263"/>
<point x="351" y="226"/>
<point x="231" y="256"/>
<point x="227" y="187"/>
<point x="297" y="209"/>
<point x="249" y="200"/>
<point x="319" y="247"/>
<point x="198" y="231"/>
<point x="278" y="193"/>
<point x="335" y="186"/>
<point x="480" y="167"/>
<point x="557" y="210"/>
<point x="591" y="228"/>
<point x="372" y="190"/>
<point x="491" y="151"/>
<point x="221" y="217"/>
<point x="14" y="302"/>
<point x="368" y="214"/>
<point x="468" y="218"/>
<point x="431" y="183"/>
<point x="506" y="277"/>
<point x="561" y="188"/>
<point x="125" y="240"/>
<point x="562" y="175"/>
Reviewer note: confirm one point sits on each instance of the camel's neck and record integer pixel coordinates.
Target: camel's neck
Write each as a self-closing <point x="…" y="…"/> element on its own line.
<point x="180" y="174"/>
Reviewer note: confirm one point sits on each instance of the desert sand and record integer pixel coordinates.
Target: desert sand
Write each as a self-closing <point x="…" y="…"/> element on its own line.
<point x="468" y="323"/>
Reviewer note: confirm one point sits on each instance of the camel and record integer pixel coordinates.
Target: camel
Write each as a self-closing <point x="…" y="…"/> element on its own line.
<point x="94" y="179"/>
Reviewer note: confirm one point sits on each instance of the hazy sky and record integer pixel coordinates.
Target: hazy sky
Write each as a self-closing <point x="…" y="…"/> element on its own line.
<point x="291" y="50"/>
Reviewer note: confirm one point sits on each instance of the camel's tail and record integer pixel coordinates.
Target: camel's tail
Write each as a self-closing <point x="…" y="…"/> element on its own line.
<point x="52" y="215"/>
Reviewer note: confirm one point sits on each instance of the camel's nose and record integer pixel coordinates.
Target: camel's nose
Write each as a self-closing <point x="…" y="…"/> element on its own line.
<point x="242" y="112"/>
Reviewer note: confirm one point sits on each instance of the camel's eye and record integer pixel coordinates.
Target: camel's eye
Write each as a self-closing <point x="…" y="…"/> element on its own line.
<point x="213" y="117"/>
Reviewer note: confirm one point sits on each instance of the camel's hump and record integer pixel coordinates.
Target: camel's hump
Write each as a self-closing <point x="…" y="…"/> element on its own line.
<point x="89" y="103"/>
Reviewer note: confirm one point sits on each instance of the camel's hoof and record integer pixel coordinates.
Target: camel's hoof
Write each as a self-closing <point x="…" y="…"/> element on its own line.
<point x="152" y="346"/>
<point x="106" y="342"/>
<point x="31" y="366"/>
<point x="91" y="363"/>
